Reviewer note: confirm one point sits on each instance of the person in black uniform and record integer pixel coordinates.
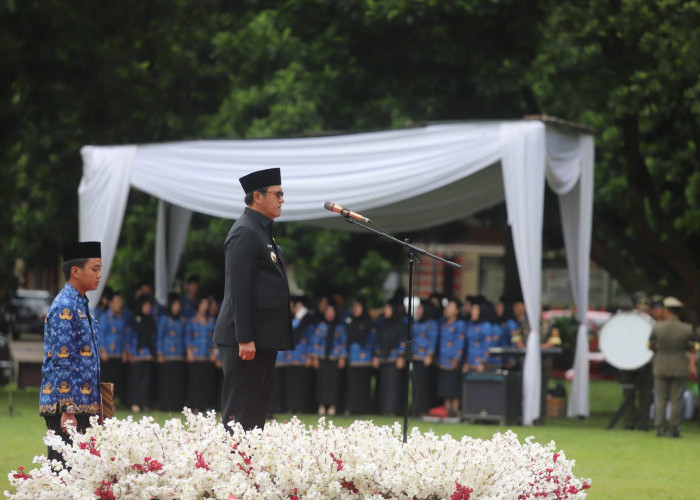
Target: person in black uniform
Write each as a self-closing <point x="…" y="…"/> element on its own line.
<point x="254" y="320"/>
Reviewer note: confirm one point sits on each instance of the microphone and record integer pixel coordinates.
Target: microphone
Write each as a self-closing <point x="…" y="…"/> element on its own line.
<point x="334" y="207"/>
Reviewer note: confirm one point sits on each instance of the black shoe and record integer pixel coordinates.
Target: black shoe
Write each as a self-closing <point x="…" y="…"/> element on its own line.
<point x="676" y="434"/>
<point x="660" y="434"/>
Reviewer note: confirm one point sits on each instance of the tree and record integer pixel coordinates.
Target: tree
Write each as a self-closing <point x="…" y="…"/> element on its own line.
<point x="80" y="73"/>
<point x="85" y="73"/>
<point x="629" y="69"/>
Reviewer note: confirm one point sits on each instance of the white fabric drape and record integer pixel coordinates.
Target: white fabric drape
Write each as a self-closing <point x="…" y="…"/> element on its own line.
<point x="171" y="233"/>
<point x="367" y="172"/>
<point x="405" y="179"/>
<point x="523" y="177"/>
<point x="576" y="153"/>
<point x="102" y="196"/>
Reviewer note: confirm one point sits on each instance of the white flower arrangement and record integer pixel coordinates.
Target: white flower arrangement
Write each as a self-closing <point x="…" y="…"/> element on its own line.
<point x="198" y="458"/>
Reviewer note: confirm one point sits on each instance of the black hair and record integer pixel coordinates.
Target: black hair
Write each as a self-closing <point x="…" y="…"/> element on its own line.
<point x="143" y="301"/>
<point x="362" y="300"/>
<point x="508" y="313"/>
<point x="172" y="298"/>
<point x="430" y="311"/>
<point x="68" y="265"/>
<point x="487" y="312"/>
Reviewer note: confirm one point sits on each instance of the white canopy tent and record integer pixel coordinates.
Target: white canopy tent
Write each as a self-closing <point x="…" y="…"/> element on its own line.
<point x="404" y="179"/>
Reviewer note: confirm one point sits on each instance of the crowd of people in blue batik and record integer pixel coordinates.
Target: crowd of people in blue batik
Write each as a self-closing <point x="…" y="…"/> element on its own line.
<point x="160" y="357"/>
<point x="351" y="360"/>
<point x="347" y="358"/>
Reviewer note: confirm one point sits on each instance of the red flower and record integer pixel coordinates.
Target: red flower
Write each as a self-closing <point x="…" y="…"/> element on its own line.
<point x="349" y="485"/>
<point x="556" y="455"/>
<point x="105" y="492"/>
<point x="461" y="492"/>
<point x="154" y="466"/>
<point x="148" y="466"/>
<point x="338" y="462"/>
<point x="201" y="464"/>
<point x="20" y="474"/>
<point x="91" y="447"/>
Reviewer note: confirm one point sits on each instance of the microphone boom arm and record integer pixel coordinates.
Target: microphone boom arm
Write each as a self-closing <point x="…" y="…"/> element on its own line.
<point x="406" y="244"/>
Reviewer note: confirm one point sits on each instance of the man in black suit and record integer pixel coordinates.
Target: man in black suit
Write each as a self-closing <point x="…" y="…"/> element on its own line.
<point x="254" y="321"/>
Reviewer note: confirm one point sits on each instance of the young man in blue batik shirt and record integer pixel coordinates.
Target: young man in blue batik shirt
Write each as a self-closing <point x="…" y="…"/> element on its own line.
<point x="70" y="385"/>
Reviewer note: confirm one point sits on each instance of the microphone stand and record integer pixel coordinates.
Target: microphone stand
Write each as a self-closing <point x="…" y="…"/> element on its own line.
<point x="408" y="354"/>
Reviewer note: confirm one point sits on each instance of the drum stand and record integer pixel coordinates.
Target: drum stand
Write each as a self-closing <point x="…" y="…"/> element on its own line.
<point x="629" y="390"/>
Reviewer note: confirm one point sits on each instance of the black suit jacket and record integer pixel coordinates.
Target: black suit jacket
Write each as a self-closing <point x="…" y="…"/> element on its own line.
<point x="256" y="295"/>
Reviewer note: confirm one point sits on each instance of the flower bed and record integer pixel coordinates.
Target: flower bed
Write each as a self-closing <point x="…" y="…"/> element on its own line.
<point x="198" y="458"/>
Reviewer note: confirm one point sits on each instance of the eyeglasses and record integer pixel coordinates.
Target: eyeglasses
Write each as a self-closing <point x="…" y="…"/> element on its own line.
<point x="279" y="194"/>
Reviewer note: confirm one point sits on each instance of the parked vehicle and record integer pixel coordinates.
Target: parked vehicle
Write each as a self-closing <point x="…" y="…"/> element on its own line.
<point x="5" y="362"/>
<point x="29" y="308"/>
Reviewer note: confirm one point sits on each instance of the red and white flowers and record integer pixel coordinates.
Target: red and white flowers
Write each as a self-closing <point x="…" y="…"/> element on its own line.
<point x="198" y="458"/>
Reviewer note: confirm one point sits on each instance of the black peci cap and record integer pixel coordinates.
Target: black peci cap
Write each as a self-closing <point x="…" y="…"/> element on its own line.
<point x="261" y="179"/>
<point x="81" y="250"/>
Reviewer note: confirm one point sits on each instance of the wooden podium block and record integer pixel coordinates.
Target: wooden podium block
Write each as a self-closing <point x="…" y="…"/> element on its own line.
<point x="27" y="357"/>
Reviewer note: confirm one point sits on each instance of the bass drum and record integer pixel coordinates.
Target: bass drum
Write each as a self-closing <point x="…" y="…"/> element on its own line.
<point x="623" y="340"/>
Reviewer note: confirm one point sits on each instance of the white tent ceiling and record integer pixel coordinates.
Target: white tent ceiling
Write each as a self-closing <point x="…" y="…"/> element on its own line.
<point x="404" y="179"/>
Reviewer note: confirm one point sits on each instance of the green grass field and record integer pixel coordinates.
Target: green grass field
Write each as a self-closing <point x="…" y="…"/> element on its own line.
<point x="622" y="464"/>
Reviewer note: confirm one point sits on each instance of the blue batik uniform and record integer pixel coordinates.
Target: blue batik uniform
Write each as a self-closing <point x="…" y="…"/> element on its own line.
<point x="339" y="346"/>
<point x="170" y="342"/>
<point x="477" y="343"/>
<point x="100" y="312"/>
<point x="493" y="334"/>
<point x="425" y="336"/>
<point x="189" y="307"/>
<point x="71" y="368"/>
<point x="509" y="328"/>
<point x="198" y="338"/>
<point x="300" y="353"/>
<point x="361" y="355"/>
<point x="113" y="332"/>
<point x="452" y="344"/>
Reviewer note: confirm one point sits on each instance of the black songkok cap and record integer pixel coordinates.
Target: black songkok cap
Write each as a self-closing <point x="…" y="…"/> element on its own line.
<point x="261" y="179"/>
<point x="81" y="250"/>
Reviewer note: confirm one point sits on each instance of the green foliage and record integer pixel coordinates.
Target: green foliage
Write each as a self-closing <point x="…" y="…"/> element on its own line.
<point x="83" y="72"/>
<point x="204" y="254"/>
<point x="326" y="262"/>
<point x="134" y="261"/>
<point x="629" y="69"/>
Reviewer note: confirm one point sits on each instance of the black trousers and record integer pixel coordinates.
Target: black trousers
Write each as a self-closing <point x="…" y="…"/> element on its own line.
<point x="638" y="386"/>
<point x="247" y="386"/>
<point x="53" y="423"/>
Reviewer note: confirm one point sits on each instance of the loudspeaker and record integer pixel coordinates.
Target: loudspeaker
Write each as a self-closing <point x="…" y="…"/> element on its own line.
<point x="493" y="396"/>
